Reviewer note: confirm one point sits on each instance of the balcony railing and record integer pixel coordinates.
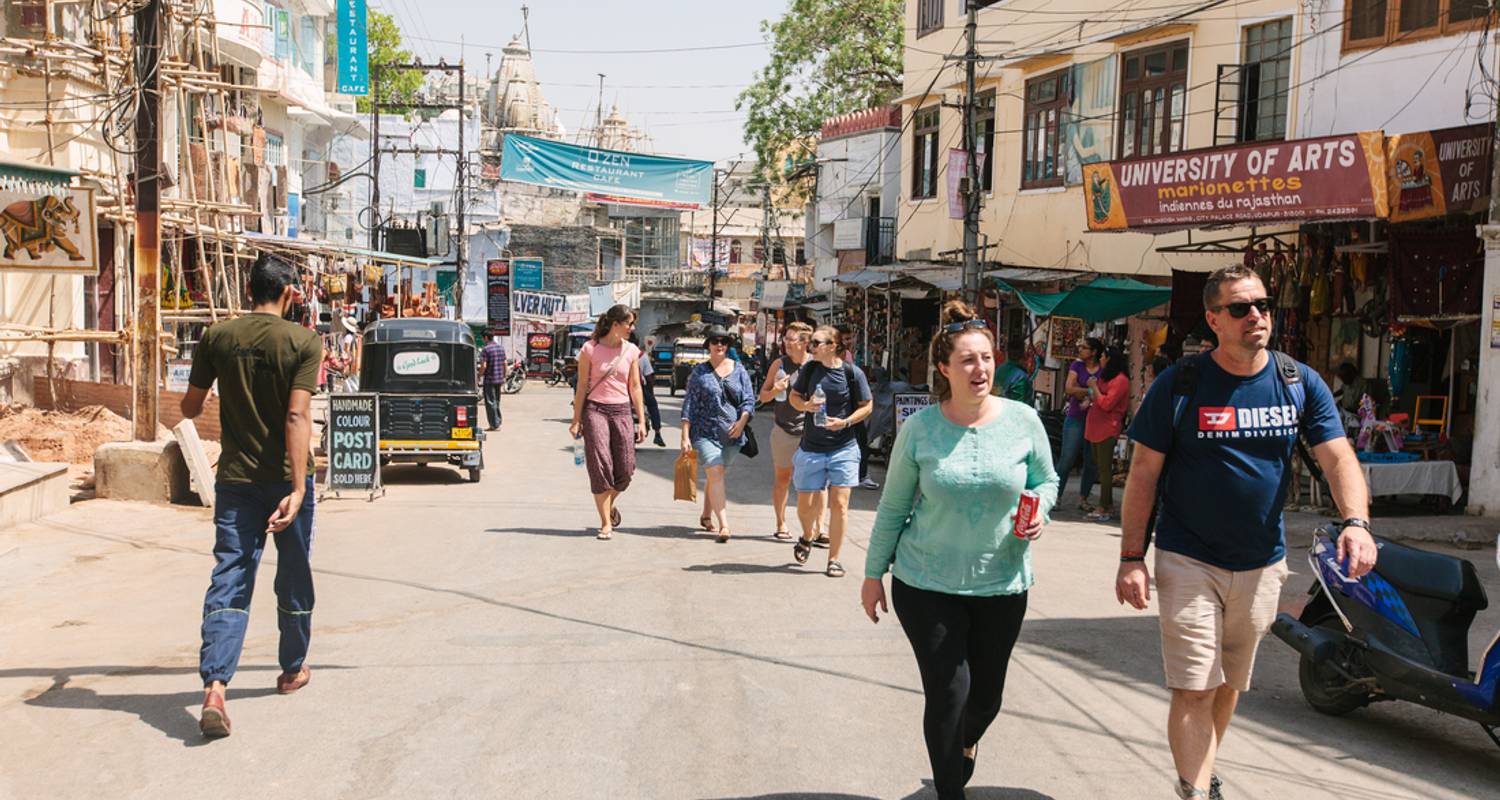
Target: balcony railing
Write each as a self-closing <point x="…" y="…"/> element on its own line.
<point x="880" y="241"/>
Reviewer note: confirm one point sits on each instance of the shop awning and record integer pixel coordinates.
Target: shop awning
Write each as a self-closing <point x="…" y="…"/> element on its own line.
<point x="315" y="247"/>
<point x="1100" y="300"/>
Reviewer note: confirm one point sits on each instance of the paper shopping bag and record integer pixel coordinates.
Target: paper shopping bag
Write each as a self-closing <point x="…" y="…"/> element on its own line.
<point x="686" y="485"/>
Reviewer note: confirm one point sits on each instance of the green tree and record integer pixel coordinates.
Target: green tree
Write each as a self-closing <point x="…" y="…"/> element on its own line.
<point x="828" y="57"/>
<point x="384" y="38"/>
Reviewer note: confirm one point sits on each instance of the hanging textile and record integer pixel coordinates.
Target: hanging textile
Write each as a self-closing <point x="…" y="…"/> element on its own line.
<point x="1435" y="273"/>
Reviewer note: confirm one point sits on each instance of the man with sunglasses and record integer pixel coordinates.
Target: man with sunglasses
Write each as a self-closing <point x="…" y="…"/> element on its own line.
<point x="1219" y="432"/>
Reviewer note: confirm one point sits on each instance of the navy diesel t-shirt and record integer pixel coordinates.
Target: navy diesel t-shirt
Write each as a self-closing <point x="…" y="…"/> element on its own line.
<point x="1229" y="462"/>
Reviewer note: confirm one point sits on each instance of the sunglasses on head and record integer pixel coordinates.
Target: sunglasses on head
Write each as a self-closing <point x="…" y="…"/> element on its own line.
<point x="955" y="327"/>
<point x="1242" y="310"/>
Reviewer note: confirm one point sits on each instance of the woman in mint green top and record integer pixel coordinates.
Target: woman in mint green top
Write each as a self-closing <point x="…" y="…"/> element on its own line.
<point x="947" y="523"/>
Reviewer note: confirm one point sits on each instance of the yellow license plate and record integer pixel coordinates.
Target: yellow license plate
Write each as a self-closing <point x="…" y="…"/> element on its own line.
<point x="463" y="433"/>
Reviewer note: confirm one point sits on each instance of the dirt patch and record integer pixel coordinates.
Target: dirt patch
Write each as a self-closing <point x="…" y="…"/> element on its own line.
<point x="69" y="437"/>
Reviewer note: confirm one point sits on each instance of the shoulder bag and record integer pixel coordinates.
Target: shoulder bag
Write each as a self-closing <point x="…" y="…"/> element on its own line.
<point x="751" y="448"/>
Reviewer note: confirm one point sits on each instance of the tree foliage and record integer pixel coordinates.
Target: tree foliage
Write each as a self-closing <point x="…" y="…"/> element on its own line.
<point x="384" y="38"/>
<point x="828" y="57"/>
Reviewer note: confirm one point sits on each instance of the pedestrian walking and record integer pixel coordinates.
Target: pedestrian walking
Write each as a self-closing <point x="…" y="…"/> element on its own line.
<point x="267" y="371"/>
<point x="648" y="391"/>
<point x="1012" y="379"/>
<point x="960" y="569"/>
<point x="492" y="373"/>
<point x="835" y="395"/>
<point x="609" y="411"/>
<point x="716" y="411"/>
<point x="1075" y="448"/>
<point x="1109" y="397"/>
<point x="786" y="432"/>
<point x="1215" y="438"/>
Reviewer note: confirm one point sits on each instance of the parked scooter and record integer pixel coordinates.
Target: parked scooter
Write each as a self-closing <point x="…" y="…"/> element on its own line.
<point x="515" y="377"/>
<point x="1401" y="632"/>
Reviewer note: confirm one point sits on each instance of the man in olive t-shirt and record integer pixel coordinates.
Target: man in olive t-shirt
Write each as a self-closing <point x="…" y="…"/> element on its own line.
<point x="267" y="371"/>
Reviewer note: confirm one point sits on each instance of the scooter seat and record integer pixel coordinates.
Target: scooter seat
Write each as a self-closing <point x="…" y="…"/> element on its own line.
<point x="1431" y="575"/>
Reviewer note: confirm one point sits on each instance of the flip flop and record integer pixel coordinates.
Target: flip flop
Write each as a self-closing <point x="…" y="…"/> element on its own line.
<point x="706" y="522"/>
<point x="723" y="536"/>
<point x="801" y="550"/>
<point x="614" y="517"/>
<point x="835" y="570"/>
<point x="785" y="536"/>
<point x="605" y="535"/>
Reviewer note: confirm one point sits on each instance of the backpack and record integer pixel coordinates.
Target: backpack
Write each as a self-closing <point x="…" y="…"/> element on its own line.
<point x="1185" y="386"/>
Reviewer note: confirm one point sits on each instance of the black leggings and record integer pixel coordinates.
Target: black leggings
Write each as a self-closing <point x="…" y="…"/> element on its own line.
<point x="963" y="647"/>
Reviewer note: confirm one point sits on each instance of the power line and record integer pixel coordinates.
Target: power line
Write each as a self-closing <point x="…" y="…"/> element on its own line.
<point x="642" y="51"/>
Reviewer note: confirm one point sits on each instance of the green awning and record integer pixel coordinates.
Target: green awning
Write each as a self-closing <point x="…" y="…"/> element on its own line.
<point x="1100" y="300"/>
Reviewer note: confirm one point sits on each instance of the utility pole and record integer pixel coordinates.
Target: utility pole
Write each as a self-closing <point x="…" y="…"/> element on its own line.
<point x="375" y="223"/>
<point x="1484" y="479"/>
<point x="461" y="251"/>
<point x="713" y="243"/>
<point x="973" y="192"/>
<point x="765" y="234"/>
<point x="148" y="18"/>
<point x="599" y="115"/>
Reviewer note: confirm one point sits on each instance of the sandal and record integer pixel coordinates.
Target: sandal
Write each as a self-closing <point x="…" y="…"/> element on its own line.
<point x="706" y="522"/>
<point x="785" y="536"/>
<point x="1101" y="516"/>
<point x="1085" y="507"/>
<point x="723" y="536"/>
<point x="614" y="517"/>
<point x="605" y="535"/>
<point x="821" y="541"/>
<point x="835" y="570"/>
<point x="801" y="550"/>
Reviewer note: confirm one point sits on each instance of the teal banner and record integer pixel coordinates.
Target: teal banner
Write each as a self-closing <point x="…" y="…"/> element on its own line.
<point x="625" y="176"/>
<point x="354" y="50"/>
<point x="526" y="273"/>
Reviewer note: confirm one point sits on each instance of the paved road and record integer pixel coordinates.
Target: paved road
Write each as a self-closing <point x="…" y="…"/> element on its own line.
<point x="476" y="641"/>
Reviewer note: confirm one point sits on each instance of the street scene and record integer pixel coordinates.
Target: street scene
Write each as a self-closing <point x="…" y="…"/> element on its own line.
<point x="768" y="400"/>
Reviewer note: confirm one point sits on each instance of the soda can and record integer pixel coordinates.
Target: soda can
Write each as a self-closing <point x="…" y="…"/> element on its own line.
<point x="1026" y="510"/>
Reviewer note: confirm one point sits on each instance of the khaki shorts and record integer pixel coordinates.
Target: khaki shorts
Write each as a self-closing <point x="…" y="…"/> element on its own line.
<point x="1212" y="620"/>
<point x="783" y="446"/>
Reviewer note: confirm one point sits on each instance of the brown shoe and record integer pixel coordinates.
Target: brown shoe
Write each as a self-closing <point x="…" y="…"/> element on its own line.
<point x="213" y="723"/>
<point x="287" y="683"/>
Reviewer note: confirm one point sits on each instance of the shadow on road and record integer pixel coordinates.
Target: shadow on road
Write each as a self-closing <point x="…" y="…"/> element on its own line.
<point x="752" y="569"/>
<point x="1127" y="651"/>
<point x="417" y="475"/>
<point x="972" y="793"/>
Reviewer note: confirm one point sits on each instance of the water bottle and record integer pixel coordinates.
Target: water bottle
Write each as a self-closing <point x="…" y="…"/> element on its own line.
<point x="578" y="452"/>
<point x="820" y="417"/>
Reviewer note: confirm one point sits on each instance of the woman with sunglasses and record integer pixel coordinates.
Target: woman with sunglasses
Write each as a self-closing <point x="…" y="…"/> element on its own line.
<point x="608" y="391"/>
<point x="945" y="528"/>
<point x="716" y="409"/>
<point x="1109" y="395"/>
<point x="828" y="458"/>
<point x="786" y="433"/>
<point x="1075" y="448"/>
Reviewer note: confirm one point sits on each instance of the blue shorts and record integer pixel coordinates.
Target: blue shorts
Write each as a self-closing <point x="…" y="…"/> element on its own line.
<point x="713" y="454"/>
<point x="814" y="472"/>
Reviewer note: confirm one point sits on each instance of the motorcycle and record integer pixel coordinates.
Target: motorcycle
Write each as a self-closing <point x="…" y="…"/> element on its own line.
<point x="515" y="377"/>
<point x="1400" y="632"/>
<point x="564" y="369"/>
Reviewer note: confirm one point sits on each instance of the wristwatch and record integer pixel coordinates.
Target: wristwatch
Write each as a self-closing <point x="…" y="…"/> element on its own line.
<point x="1356" y="522"/>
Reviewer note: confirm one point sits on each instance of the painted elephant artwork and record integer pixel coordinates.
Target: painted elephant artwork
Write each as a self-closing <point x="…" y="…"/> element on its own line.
<point x="37" y="227"/>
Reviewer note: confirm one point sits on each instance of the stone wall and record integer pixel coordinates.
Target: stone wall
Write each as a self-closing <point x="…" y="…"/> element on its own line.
<point x="570" y="254"/>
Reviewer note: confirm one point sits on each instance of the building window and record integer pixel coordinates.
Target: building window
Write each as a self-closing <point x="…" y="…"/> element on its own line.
<point x="759" y="252"/>
<point x="651" y="245"/>
<point x="1264" y="81"/>
<point x="1374" y="23"/>
<point x="925" y="153"/>
<point x="929" y="16"/>
<point x="28" y="14"/>
<point x="275" y="157"/>
<point x="307" y="45"/>
<point x="1047" y="101"/>
<point x="1153" y="100"/>
<point x="984" y="121"/>
<point x="801" y="255"/>
<point x="736" y="252"/>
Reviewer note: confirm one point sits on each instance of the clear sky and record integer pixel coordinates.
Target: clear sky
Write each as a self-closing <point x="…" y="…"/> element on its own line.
<point x="683" y="100"/>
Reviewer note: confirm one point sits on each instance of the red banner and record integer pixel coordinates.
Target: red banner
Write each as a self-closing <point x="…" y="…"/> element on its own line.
<point x="1334" y="177"/>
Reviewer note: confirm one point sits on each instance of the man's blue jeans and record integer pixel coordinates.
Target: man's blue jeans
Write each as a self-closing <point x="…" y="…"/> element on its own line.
<point x="241" y="511"/>
<point x="1075" y="450"/>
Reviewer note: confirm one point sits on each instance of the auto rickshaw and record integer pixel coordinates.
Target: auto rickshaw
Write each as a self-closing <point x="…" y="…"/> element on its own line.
<point x="423" y="371"/>
<point x="687" y="352"/>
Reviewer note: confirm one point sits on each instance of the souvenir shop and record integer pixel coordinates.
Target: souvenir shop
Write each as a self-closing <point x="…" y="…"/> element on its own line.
<point x="893" y="313"/>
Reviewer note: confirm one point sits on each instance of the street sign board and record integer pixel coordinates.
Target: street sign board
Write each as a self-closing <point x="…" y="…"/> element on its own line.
<point x="353" y="443"/>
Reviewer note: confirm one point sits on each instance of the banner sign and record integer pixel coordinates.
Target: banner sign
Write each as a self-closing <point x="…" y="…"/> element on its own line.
<point x="353" y="442"/>
<point x="609" y="172"/>
<point x="47" y="228"/>
<point x="1333" y="177"/>
<point x="528" y="273"/>
<point x="591" y="197"/>
<point x="575" y="310"/>
<point x="542" y="306"/>
<point x="602" y="298"/>
<point x="354" y="49"/>
<point x="958" y="169"/>
<point x="497" y="282"/>
<point x="699" y="254"/>
<point x="1439" y="172"/>
<point x="539" y="354"/>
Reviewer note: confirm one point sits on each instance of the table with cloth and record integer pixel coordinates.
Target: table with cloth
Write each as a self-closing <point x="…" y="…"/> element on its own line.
<point x="1413" y="477"/>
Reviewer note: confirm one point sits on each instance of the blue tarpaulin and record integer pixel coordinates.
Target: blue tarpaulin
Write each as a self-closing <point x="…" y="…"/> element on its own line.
<point x="1100" y="300"/>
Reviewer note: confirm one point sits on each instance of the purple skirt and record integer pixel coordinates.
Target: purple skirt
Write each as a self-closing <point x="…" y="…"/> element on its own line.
<point x="609" y="446"/>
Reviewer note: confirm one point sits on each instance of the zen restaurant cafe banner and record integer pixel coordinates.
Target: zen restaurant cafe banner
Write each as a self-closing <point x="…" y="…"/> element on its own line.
<point x="627" y="176"/>
<point x="1333" y="177"/>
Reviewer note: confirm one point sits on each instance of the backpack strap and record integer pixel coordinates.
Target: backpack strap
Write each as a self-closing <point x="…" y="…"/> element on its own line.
<point x="1184" y="387"/>
<point x="1291" y="377"/>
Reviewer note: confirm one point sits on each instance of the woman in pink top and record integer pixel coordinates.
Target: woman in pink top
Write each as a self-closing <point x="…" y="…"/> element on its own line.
<point x="606" y="405"/>
<point x="1109" y="396"/>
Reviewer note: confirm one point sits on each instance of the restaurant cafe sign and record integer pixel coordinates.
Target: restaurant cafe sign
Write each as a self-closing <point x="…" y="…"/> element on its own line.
<point x="1352" y="176"/>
